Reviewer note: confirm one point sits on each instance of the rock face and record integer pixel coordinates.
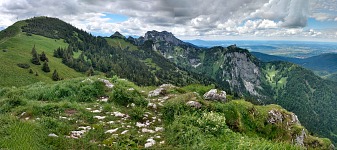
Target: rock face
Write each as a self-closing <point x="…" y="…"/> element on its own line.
<point x="275" y="116"/>
<point x="214" y="95"/>
<point x="162" y="36"/>
<point x="241" y="72"/>
<point x="300" y="138"/>
<point x="194" y="104"/>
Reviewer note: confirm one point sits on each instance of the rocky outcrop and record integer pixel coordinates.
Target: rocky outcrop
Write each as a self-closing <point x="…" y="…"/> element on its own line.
<point x="215" y="96"/>
<point x="300" y="138"/>
<point x="242" y="74"/>
<point x="194" y="104"/>
<point x="161" y="90"/>
<point x="162" y="36"/>
<point x="275" y="116"/>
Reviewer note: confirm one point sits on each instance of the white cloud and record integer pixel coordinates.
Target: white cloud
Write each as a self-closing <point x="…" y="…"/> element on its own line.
<point x="182" y="17"/>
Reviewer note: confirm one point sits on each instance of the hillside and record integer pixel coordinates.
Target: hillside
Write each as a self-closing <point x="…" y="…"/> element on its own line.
<point x="322" y="65"/>
<point x="96" y="113"/>
<point x="16" y="48"/>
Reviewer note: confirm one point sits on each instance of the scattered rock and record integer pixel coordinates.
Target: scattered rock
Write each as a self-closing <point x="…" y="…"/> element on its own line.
<point x="77" y="134"/>
<point x="111" y="131"/>
<point x="96" y="111"/>
<point x="214" y="95"/>
<point x="167" y="86"/>
<point x="194" y="104"/>
<point x="88" y="109"/>
<point x="149" y="143"/>
<point x="157" y="92"/>
<point x="152" y="105"/>
<point x="124" y="132"/>
<point x="118" y="114"/>
<point x="139" y="125"/>
<point x="88" y="80"/>
<point x="111" y="122"/>
<point x="107" y="83"/>
<point x="87" y="128"/>
<point x="144" y="130"/>
<point x="162" y="142"/>
<point x="131" y="89"/>
<point x="275" y="116"/>
<point x="99" y="117"/>
<point x="52" y="135"/>
<point x="103" y="99"/>
<point x="159" y="129"/>
<point x="294" y="119"/>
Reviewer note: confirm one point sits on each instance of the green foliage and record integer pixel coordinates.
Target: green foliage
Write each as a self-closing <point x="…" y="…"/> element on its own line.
<point x="55" y="76"/>
<point x="123" y="96"/>
<point x="200" y="89"/>
<point x="35" y="60"/>
<point x="46" y="68"/>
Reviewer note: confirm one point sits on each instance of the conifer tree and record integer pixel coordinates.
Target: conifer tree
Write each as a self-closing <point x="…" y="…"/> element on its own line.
<point x="45" y="67"/>
<point x="90" y="72"/>
<point x="35" y="60"/>
<point x="55" y="76"/>
<point x="43" y="57"/>
<point x="31" y="71"/>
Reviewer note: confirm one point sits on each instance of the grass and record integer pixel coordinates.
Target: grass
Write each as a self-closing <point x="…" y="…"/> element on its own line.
<point x="19" y="51"/>
<point x="28" y="114"/>
<point x="122" y="44"/>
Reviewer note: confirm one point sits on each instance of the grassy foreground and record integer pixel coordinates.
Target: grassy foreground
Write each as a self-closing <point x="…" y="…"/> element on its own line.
<point x="83" y="113"/>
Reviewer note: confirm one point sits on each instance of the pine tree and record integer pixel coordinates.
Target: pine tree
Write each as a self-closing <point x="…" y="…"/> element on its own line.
<point x="45" y="67"/>
<point x="55" y="76"/>
<point x="90" y="72"/>
<point x="43" y="57"/>
<point x="35" y="60"/>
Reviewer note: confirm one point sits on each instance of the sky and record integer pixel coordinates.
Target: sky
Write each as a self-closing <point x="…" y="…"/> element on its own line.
<point x="308" y="20"/>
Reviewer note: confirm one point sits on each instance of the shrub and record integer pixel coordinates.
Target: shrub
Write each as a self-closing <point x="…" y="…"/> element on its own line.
<point x="123" y="96"/>
<point x="24" y="66"/>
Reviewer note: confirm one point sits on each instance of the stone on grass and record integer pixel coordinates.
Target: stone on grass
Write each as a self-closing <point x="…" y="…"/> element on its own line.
<point x="194" y="104"/>
<point x="111" y="131"/>
<point x="149" y="143"/>
<point x="52" y="135"/>
<point x="215" y="96"/>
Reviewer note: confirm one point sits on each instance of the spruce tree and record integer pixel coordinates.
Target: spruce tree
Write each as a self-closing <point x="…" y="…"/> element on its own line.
<point x="45" y="67"/>
<point x="35" y="60"/>
<point x="55" y="76"/>
<point x="31" y="71"/>
<point x="43" y="57"/>
<point x="90" y="72"/>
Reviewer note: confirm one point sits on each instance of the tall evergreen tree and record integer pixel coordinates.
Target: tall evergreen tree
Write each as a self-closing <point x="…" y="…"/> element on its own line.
<point x="35" y="59"/>
<point x="43" y="57"/>
<point x="55" y="76"/>
<point x="90" y="72"/>
<point x="45" y="67"/>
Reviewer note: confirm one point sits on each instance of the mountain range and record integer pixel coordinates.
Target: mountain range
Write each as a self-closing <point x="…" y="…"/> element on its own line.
<point x="159" y="57"/>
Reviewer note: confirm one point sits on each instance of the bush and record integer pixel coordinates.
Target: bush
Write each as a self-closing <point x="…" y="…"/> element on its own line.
<point x="24" y="66"/>
<point x="136" y="113"/>
<point x="123" y="96"/>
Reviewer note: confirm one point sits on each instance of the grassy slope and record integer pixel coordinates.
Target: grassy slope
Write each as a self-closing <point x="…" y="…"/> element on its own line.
<point x="120" y="43"/>
<point x="63" y="107"/>
<point x="19" y="51"/>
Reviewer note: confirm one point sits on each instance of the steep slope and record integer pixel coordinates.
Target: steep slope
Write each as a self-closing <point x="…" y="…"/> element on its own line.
<point x="16" y="47"/>
<point x="322" y="65"/>
<point x="113" y="113"/>
<point x="288" y="85"/>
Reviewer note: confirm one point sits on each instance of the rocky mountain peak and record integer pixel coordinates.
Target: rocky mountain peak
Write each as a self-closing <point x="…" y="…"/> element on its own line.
<point x="162" y="36"/>
<point x="117" y="35"/>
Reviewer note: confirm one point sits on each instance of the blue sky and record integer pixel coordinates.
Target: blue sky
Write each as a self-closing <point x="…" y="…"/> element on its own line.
<point x="302" y="20"/>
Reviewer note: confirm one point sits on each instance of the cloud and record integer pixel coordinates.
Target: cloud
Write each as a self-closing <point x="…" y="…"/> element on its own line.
<point x="182" y="17"/>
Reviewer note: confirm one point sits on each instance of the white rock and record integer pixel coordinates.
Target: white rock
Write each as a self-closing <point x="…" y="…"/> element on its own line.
<point x="138" y="124"/>
<point x="99" y="117"/>
<point x="118" y="114"/>
<point x="213" y="95"/>
<point x="162" y="142"/>
<point x="144" y="130"/>
<point x="111" y="122"/>
<point x="152" y="105"/>
<point x="77" y="134"/>
<point x="88" y="109"/>
<point x="96" y="111"/>
<point x="194" y="104"/>
<point x="157" y="92"/>
<point x="52" y="135"/>
<point x="103" y="99"/>
<point x="149" y="143"/>
<point x="131" y="89"/>
<point x="87" y="128"/>
<point x="111" y="131"/>
<point x="158" y="129"/>
<point x="107" y="83"/>
<point x="124" y="132"/>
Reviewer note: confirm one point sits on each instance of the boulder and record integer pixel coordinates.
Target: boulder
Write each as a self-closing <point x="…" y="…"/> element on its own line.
<point x="215" y="96"/>
<point x="275" y="116"/>
<point x="194" y="104"/>
<point x="157" y="92"/>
